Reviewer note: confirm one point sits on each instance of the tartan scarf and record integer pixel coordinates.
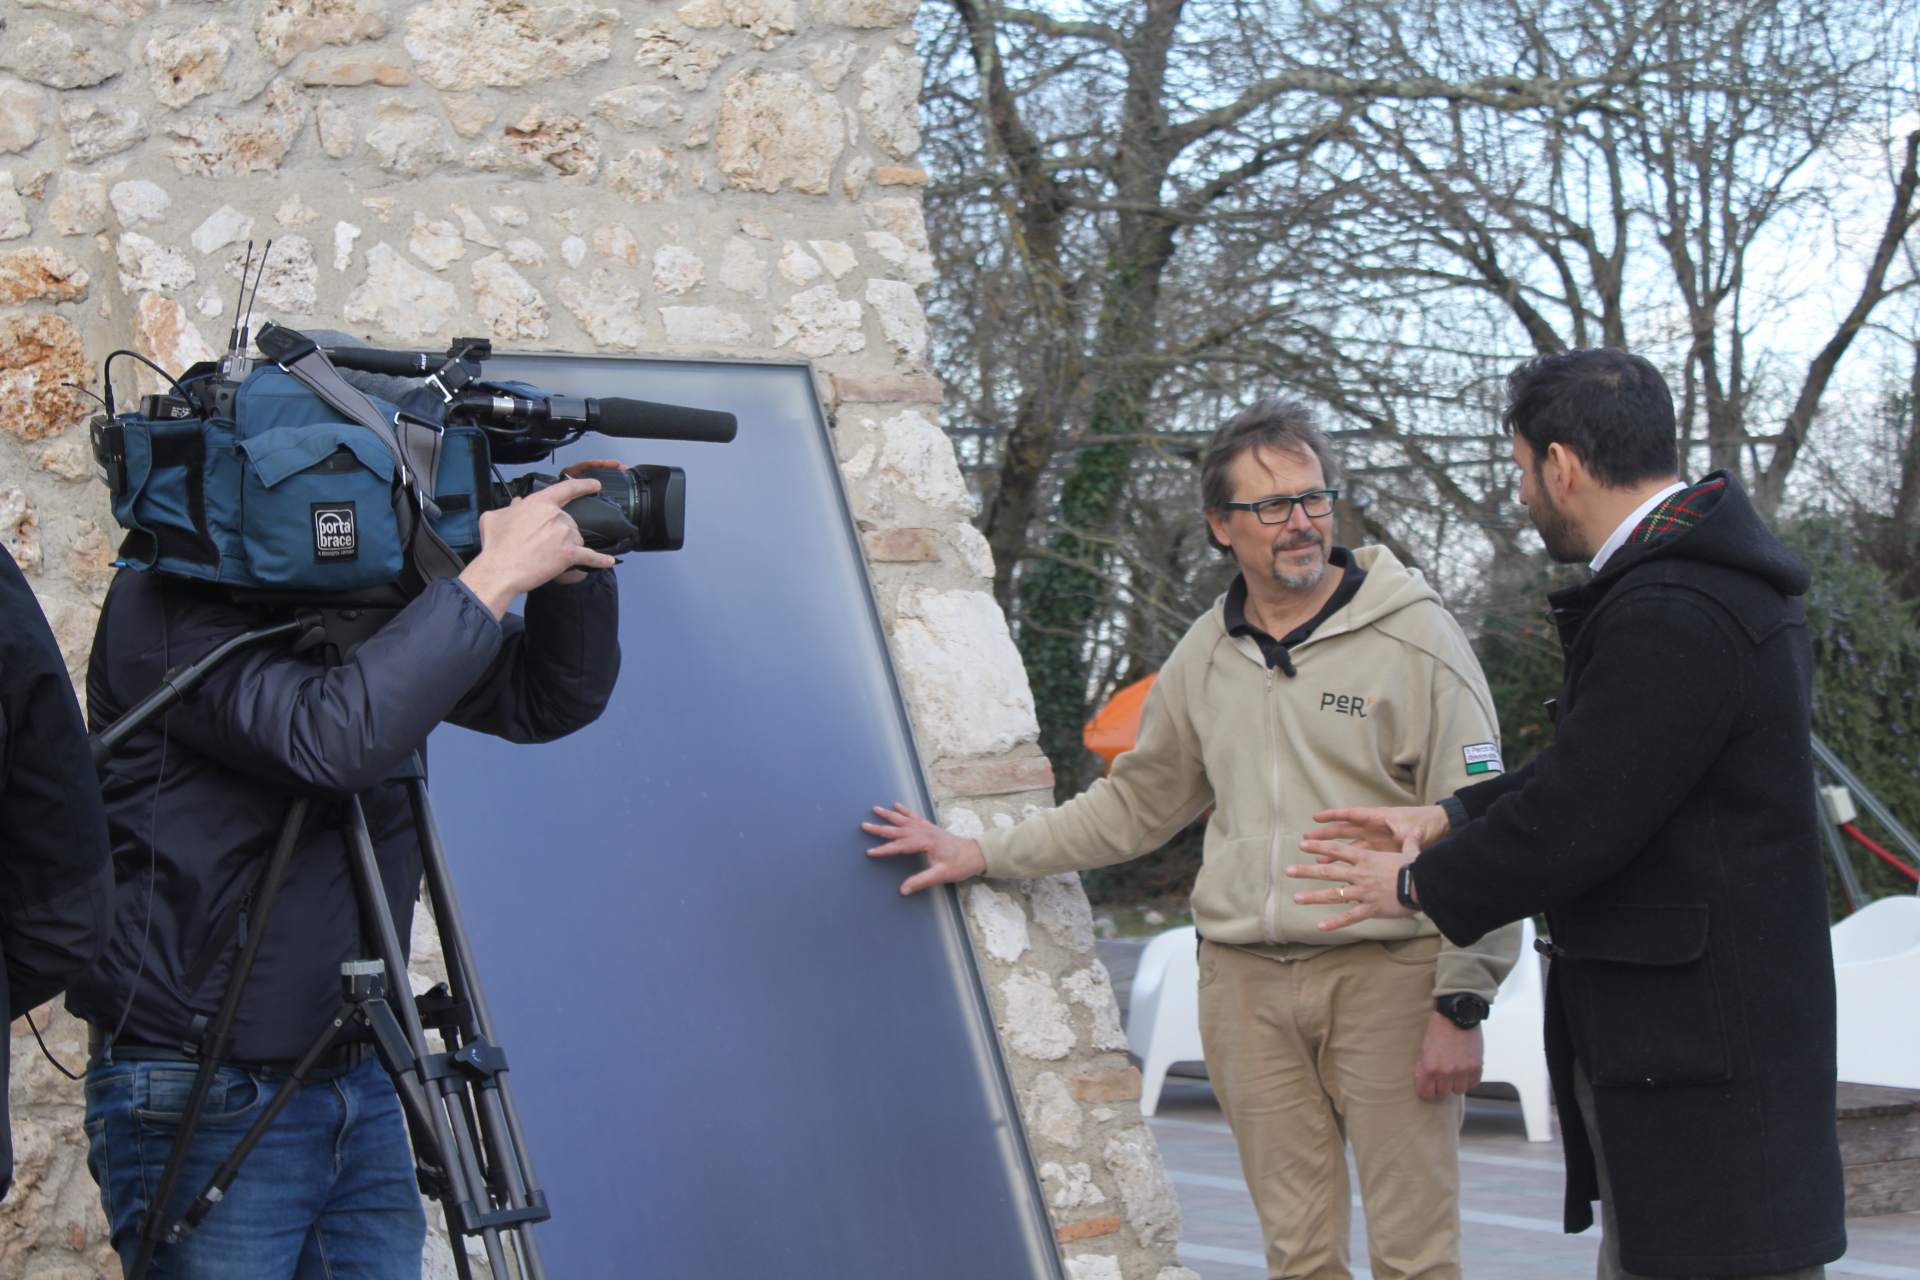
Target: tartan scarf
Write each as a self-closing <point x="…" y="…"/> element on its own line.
<point x="1679" y="513"/>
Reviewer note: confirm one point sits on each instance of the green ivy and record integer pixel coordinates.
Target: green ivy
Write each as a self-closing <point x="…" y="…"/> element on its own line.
<point x="1866" y="684"/>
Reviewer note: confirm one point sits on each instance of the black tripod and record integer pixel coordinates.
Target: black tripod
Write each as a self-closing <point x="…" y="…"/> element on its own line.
<point x="469" y="1150"/>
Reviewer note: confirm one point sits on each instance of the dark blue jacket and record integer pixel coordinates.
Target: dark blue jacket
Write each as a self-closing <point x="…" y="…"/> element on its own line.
<point x="1669" y="835"/>
<point x="195" y="801"/>
<point x="54" y="880"/>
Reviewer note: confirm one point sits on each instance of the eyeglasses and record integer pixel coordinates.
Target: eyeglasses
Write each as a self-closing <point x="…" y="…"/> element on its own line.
<point x="1279" y="510"/>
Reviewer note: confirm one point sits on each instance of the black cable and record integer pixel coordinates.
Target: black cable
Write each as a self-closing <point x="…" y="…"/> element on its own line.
<point x="83" y="391"/>
<point x="48" y="1053"/>
<point x="106" y="374"/>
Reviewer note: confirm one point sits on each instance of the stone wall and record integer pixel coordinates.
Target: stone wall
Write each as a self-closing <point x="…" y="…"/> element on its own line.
<point x="720" y="177"/>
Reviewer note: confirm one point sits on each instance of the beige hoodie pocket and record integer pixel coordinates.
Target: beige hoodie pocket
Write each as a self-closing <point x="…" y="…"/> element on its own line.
<point x="1231" y="889"/>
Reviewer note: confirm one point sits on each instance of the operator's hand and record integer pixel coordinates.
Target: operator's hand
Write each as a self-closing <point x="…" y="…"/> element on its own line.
<point x="1450" y="1059"/>
<point x="572" y="576"/>
<point x="1369" y="880"/>
<point x="1385" y="829"/>
<point x="529" y="544"/>
<point x="949" y="857"/>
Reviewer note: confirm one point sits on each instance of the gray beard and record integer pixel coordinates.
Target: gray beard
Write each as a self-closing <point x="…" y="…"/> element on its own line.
<point x="1300" y="581"/>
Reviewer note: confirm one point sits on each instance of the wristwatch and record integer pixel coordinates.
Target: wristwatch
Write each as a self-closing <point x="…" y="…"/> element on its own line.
<point x="1464" y="1009"/>
<point x="1403" y="888"/>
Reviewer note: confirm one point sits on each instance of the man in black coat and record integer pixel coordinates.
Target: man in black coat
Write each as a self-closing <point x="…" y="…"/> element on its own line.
<point x="195" y="801"/>
<point x="55" y="879"/>
<point x="1669" y="835"/>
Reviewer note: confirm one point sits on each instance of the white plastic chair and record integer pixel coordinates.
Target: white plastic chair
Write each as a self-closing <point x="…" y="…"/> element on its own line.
<point x="1163" y="1014"/>
<point x="1876" y="975"/>
<point x="1163" y="1025"/>
<point x="1516" y="1054"/>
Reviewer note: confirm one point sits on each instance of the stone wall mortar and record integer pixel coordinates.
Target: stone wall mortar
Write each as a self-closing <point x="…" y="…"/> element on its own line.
<point x="720" y="177"/>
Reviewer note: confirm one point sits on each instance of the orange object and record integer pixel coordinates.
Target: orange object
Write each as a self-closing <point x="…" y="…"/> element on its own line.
<point x="1115" y="726"/>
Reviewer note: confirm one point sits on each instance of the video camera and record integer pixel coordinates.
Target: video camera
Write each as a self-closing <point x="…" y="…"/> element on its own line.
<point x="280" y="479"/>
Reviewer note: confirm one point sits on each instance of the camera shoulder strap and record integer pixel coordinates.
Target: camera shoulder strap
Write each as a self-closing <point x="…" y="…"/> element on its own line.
<point x="428" y="556"/>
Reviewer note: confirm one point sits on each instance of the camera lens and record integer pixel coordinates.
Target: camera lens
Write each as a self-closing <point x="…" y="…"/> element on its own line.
<point x="624" y="490"/>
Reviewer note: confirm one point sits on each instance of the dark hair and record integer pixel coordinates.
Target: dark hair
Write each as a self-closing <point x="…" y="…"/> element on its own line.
<point x="1610" y="407"/>
<point x="1267" y="424"/>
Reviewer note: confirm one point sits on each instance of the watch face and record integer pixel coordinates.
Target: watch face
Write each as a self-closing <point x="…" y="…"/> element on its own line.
<point x="1466" y="1010"/>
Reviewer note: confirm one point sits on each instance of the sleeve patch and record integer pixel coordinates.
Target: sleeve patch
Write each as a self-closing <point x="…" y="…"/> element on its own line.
<point x="1483" y="757"/>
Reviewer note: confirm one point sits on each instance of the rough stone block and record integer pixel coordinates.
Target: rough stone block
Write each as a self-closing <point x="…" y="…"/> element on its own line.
<point x="48" y="55"/>
<point x="901" y="544"/>
<point x="993" y="777"/>
<point x="819" y="322"/>
<point x="463" y="44"/>
<point x="346" y="75"/>
<point x="867" y="387"/>
<point x="865" y="13"/>
<point x="1033" y="1020"/>
<point x="1052" y="1114"/>
<point x="38" y="353"/>
<point x="188" y="64"/>
<point x="777" y="128"/>
<point x="970" y="690"/>
<point x="512" y="309"/>
<point x="95" y="131"/>
<point x="890" y="101"/>
<point x="289" y="28"/>
<point x="22" y="117"/>
<point x="607" y="306"/>
<point x="26" y="274"/>
<point x="705" y="327"/>
<point x="224" y="144"/>
<point x="1153" y="1210"/>
<point x="895" y="175"/>
<point x="401" y="298"/>
<point x="1107" y="1086"/>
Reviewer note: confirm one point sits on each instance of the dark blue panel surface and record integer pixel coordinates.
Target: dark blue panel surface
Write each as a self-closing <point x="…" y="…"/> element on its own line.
<point x="738" y="1051"/>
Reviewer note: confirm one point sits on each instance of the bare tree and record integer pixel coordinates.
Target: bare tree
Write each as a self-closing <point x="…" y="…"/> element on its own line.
<point x="1127" y="201"/>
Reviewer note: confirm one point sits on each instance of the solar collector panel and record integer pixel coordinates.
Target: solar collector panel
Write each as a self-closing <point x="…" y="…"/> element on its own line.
<point x="737" y="1049"/>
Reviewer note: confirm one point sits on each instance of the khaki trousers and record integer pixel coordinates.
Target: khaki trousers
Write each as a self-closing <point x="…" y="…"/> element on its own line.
<point x="1308" y="1055"/>
<point x="1606" y="1265"/>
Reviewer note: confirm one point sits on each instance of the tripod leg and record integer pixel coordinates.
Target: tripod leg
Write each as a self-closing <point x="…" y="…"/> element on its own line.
<point x="500" y="1118"/>
<point x="216" y="1186"/>
<point x="466" y="1184"/>
<point x="217" y="1042"/>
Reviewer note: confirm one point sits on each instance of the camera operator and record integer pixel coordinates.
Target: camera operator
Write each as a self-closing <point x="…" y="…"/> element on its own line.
<point x="54" y="878"/>
<point x="195" y="802"/>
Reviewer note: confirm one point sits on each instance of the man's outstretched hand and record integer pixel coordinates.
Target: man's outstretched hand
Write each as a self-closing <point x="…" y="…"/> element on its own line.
<point x="1385" y="829"/>
<point x="1368" y="880"/>
<point x="949" y="857"/>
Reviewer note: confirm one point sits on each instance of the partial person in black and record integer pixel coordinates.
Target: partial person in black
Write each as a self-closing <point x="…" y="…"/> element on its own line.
<point x="1668" y="833"/>
<point x="55" y="879"/>
<point x="195" y="801"/>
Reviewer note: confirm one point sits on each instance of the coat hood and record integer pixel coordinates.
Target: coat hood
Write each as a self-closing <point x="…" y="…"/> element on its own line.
<point x="1389" y="588"/>
<point x="1729" y="533"/>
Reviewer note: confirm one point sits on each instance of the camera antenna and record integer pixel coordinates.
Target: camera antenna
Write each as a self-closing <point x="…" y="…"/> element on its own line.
<point x="233" y="335"/>
<point x="258" y="276"/>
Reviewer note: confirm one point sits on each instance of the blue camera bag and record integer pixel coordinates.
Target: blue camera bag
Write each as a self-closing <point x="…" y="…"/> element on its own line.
<point x="288" y="495"/>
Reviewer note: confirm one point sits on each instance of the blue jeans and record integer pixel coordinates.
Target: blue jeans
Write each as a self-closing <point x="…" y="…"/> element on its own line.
<point x="329" y="1194"/>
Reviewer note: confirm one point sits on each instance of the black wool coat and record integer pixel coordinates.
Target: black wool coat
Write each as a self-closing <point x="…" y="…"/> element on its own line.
<point x="1669" y="835"/>
<point x="55" y="880"/>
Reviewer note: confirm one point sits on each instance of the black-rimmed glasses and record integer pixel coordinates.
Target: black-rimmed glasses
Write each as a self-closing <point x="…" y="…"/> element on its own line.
<point x="1279" y="510"/>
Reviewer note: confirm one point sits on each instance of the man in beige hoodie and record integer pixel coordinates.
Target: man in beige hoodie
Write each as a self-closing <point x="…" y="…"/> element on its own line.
<point x="1321" y="675"/>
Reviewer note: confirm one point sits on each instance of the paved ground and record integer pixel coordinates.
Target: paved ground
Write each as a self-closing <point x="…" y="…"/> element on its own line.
<point x="1510" y="1202"/>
